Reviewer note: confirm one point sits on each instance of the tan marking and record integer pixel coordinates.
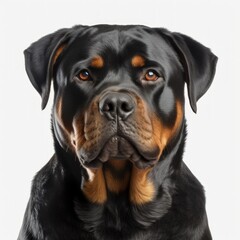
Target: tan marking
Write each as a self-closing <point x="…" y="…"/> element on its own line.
<point x="95" y="188"/>
<point x="169" y="133"/>
<point x="117" y="164"/>
<point x="73" y="132"/>
<point x="97" y="62"/>
<point x="162" y="134"/>
<point x="77" y="135"/>
<point x="57" y="53"/>
<point x="138" y="61"/>
<point x="66" y="130"/>
<point x="141" y="188"/>
<point x="91" y="173"/>
<point x="114" y="184"/>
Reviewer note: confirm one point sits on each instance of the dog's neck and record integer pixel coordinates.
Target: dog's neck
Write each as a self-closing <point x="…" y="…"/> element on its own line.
<point x="119" y="185"/>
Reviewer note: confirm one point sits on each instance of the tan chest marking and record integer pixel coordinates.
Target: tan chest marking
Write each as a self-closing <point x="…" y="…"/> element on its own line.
<point x="95" y="189"/>
<point x="117" y="184"/>
<point x="141" y="187"/>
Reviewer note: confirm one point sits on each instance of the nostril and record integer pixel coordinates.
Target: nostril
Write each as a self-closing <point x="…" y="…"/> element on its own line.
<point x="108" y="107"/>
<point x="126" y="107"/>
<point x="116" y="105"/>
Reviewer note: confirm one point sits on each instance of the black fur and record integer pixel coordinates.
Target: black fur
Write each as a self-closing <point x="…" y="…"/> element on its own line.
<point x="58" y="208"/>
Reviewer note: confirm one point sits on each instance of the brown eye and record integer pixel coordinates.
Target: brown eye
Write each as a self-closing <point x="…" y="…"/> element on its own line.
<point x="84" y="75"/>
<point x="151" y="76"/>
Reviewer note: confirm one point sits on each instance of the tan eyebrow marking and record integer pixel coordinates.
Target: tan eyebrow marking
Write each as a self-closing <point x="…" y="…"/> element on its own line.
<point x="138" y="61"/>
<point x="97" y="62"/>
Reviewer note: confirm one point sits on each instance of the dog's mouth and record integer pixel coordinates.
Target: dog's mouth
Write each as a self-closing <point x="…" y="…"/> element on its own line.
<point x="117" y="126"/>
<point x="119" y="148"/>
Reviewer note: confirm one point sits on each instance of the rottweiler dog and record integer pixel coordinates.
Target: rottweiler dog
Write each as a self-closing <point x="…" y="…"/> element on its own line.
<point x="119" y="132"/>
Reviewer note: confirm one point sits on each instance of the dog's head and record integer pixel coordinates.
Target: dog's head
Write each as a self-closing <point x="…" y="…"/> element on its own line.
<point x="119" y="90"/>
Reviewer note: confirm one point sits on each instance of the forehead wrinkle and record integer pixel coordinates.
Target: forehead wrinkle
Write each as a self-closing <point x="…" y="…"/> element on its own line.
<point x="111" y="47"/>
<point x="117" y="46"/>
<point x="109" y="40"/>
<point x="116" y="40"/>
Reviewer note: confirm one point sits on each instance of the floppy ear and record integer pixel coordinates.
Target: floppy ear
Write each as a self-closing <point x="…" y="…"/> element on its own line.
<point x="39" y="60"/>
<point x="199" y="64"/>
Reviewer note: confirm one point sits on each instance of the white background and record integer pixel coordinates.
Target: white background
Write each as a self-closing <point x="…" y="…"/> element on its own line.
<point x="214" y="132"/>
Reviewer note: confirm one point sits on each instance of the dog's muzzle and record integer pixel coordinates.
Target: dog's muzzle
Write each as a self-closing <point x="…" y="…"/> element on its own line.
<point x="119" y="131"/>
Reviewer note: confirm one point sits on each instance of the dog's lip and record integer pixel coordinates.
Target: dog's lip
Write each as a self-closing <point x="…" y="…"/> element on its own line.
<point x="144" y="155"/>
<point x="139" y="158"/>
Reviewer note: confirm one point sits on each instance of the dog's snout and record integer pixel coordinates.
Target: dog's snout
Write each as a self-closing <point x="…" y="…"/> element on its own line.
<point x="115" y="104"/>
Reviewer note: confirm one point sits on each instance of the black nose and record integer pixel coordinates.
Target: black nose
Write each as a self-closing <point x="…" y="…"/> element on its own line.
<point x="116" y="104"/>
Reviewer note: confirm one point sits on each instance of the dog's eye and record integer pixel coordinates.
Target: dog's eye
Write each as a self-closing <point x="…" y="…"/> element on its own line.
<point x="151" y="75"/>
<point x="84" y="75"/>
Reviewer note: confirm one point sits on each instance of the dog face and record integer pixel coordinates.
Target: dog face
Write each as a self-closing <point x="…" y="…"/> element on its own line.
<point x="119" y="90"/>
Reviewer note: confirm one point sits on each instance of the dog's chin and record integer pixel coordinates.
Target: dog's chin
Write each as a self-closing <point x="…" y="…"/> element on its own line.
<point x="118" y="148"/>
